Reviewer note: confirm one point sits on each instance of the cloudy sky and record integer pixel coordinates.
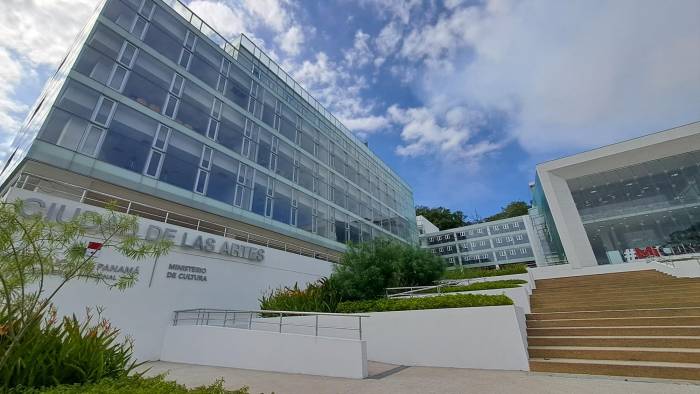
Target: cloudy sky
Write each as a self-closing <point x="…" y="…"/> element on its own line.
<point x="462" y="98"/>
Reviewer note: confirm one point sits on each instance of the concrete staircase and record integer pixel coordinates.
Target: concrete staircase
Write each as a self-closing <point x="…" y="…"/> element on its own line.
<point x="638" y="324"/>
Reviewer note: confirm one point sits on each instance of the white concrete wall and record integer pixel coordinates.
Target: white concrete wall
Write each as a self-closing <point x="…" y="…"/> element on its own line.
<point x="519" y="295"/>
<point x="482" y="338"/>
<point x="565" y="270"/>
<point x="679" y="269"/>
<point x="264" y="350"/>
<point x="146" y="310"/>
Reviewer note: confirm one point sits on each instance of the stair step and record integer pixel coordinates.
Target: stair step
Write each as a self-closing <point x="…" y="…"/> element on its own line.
<point x="673" y="355"/>
<point x="617" y="341"/>
<point x="660" y="312"/>
<point x="617" y="322"/>
<point x="604" y="307"/>
<point x="659" y="370"/>
<point x="616" y="331"/>
<point x="617" y="295"/>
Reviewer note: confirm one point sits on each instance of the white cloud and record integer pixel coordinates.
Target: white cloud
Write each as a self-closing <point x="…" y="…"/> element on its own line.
<point x="10" y="109"/>
<point x="227" y="21"/>
<point x="41" y="31"/>
<point x="272" y="12"/>
<point x="292" y="40"/>
<point x="447" y="135"/>
<point x="367" y="124"/>
<point x="360" y="54"/>
<point x="34" y="34"/>
<point x="388" y="38"/>
<point x="395" y="9"/>
<point x="570" y="75"/>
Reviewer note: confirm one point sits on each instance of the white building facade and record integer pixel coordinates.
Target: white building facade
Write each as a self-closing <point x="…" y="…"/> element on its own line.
<point x="489" y="244"/>
<point x="625" y="202"/>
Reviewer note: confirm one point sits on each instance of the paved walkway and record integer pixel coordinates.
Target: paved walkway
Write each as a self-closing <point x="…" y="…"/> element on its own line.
<point x="416" y="380"/>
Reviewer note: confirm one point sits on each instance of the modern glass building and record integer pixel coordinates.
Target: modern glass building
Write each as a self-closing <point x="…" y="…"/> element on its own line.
<point x="624" y="202"/>
<point x="490" y="244"/>
<point x="153" y="107"/>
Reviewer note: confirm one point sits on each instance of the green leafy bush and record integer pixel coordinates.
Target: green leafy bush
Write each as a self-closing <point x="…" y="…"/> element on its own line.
<point x="320" y="296"/>
<point x="482" y="273"/>
<point x="437" y="302"/>
<point x="65" y="352"/>
<point x="367" y="269"/>
<point x="137" y="385"/>
<point x="497" y="284"/>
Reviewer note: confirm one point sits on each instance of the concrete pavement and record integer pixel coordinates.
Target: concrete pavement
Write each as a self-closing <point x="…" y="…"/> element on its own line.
<point x="417" y="380"/>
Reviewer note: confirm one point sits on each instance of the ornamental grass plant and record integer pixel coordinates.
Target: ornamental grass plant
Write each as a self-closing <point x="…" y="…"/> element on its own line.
<point x="137" y="385"/>
<point x="471" y="273"/>
<point x="66" y="351"/>
<point x="319" y="296"/>
<point x="437" y="302"/>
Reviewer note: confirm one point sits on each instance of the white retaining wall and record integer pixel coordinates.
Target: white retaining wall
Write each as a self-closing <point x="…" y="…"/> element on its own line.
<point x="264" y="350"/>
<point x="566" y="270"/>
<point x="482" y="338"/>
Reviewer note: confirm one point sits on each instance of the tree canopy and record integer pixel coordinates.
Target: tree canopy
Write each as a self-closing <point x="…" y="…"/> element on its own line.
<point x="442" y="217"/>
<point x="515" y="208"/>
<point x="370" y="267"/>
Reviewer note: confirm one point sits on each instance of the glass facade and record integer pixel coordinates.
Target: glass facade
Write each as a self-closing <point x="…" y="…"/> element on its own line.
<point x="504" y="241"/>
<point x="649" y="208"/>
<point x="150" y="94"/>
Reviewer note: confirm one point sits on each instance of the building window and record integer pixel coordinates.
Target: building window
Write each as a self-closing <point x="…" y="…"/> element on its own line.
<point x="519" y="237"/>
<point x="138" y="29"/>
<point x="104" y="111"/>
<point x="146" y="9"/>
<point x="92" y="140"/>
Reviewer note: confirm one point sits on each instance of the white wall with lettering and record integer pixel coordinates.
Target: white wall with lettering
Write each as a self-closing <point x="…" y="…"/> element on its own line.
<point x="190" y="276"/>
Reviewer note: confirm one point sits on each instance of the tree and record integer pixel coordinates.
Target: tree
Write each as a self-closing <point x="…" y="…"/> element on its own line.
<point x="515" y="208"/>
<point x="367" y="269"/>
<point x="32" y="248"/>
<point x="442" y="217"/>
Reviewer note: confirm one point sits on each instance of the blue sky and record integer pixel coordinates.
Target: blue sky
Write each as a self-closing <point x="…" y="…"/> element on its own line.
<point x="461" y="98"/>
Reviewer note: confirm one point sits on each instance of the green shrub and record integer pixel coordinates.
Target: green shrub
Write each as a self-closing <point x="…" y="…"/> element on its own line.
<point x="65" y="352"/>
<point x="367" y="269"/>
<point x="482" y="272"/>
<point x="137" y="385"/>
<point x="437" y="302"/>
<point x="320" y="296"/>
<point x="496" y="284"/>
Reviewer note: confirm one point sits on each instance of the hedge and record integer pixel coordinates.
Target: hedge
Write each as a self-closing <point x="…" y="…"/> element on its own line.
<point x="437" y="302"/>
<point x="482" y="273"/>
<point x="135" y="385"/>
<point x="496" y="284"/>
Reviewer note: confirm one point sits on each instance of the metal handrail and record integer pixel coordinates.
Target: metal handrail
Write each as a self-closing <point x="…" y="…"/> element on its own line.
<point x="158" y="214"/>
<point x="228" y="317"/>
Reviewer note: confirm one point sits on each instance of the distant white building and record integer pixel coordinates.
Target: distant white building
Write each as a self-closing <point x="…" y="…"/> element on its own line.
<point x="490" y="244"/>
<point x="425" y="226"/>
